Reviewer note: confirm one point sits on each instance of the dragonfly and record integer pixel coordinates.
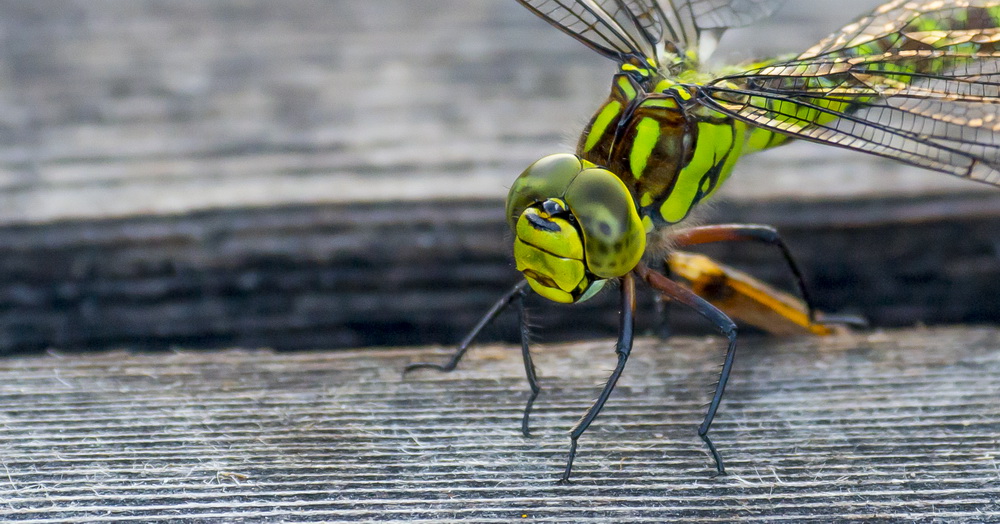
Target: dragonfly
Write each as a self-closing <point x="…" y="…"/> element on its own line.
<point x="917" y="81"/>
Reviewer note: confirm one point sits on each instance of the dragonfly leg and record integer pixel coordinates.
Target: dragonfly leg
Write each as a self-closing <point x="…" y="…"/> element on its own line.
<point x="681" y="294"/>
<point x="529" y="366"/>
<point x="623" y="347"/>
<point x="754" y="232"/>
<point x="661" y="309"/>
<point x="463" y="346"/>
<point x="767" y="235"/>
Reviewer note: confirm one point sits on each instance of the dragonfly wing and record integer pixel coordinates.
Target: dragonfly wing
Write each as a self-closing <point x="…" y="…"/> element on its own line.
<point x="702" y="22"/>
<point x="898" y="16"/>
<point x="727" y="13"/>
<point x="617" y="29"/>
<point x="628" y="29"/>
<point x="927" y="92"/>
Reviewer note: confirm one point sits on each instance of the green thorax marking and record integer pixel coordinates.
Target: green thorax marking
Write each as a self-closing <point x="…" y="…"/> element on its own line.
<point x="670" y="151"/>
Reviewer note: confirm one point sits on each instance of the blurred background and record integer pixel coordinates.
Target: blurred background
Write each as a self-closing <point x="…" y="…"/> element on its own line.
<point x="324" y="174"/>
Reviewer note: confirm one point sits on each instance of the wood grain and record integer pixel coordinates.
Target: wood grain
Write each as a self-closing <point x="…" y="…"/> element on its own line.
<point x="883" y="427"/>
<point x="330" y="174"/>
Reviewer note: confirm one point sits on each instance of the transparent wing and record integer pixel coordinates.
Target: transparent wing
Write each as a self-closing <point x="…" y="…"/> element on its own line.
<point x="626" y="29"/>
<point x="919" y="83"/>
<point x="618" y="29"/>
<point x="704" y="21"/>
<point x="715" y="14"/>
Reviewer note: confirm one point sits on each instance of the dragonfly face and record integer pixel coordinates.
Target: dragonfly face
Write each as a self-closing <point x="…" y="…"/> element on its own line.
<point x="575" y="226"/>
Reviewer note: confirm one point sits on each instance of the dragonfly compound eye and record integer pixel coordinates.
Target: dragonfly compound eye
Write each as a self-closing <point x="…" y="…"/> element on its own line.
<point x="547" y="178"/>
<point x="576" y="226"/>
<point x="613" y="235"/>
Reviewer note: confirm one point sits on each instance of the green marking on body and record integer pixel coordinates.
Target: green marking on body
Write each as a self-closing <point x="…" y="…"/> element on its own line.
<point x="627" y="88"/>
<point x="714" y="142"/>
<point x="927" y="23"/>
<point x="647" y="224"/>
<point x="898" y="72"/>
<point x="647" y="134"/>
<point x="682" y="91"/>
<point x="966" y="48"/>
<point x="961" y="18"/>
<point x="604" y="118"/>
<point x="663" y="85"/>
<point x="739" y="130"/>
<point x="792" y="116"/>
<point x="761" y="139"/>
<point x="663" y="103"/>
<point x="869" y="48"/>
<point x="640" y="70"/>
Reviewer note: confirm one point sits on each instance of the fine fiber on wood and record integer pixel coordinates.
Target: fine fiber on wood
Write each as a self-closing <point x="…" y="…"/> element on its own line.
<point x="894" y="426"/>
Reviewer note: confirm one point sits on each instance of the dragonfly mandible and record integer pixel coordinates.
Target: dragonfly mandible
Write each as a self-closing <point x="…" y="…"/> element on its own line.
<point x="916" y="81"/>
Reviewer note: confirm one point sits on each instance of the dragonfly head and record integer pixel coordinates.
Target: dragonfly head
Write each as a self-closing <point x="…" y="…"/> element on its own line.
<point x="575" y="226"/>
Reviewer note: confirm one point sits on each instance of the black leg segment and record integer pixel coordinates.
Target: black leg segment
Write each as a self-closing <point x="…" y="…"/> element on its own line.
<point x="626" y="332"/>
<point x="498" y="307"/>
<point x="529" y="366"/>
<point x="683" y="295"/>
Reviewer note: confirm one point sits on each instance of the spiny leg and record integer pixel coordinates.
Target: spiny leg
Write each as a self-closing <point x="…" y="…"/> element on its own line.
<point x="515" y="293"/>
<point x="661" y="309"/>
<point x="687" y="297"/>
<point x="623" y="347"/>
<point x="463" y="346"/>
<point x="529" y="366"/>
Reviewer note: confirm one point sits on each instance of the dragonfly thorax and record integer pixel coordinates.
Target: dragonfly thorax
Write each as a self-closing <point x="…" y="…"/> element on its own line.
<point x="670" y="151"/>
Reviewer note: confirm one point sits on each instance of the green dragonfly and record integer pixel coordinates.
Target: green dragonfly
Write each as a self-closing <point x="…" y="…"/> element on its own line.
<point x="915" y="80"/>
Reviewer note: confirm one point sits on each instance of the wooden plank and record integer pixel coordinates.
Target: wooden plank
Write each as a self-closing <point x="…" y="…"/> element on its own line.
<point x="887" y="426"/>
<point x="331" y="174"/>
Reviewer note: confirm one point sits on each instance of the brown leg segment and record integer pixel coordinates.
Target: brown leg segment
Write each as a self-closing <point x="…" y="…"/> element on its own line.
<point x="743" y="232"/>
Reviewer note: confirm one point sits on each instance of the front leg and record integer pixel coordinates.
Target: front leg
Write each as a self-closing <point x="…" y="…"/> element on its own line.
<point x="626" y="332"/>
<point x="529" y="366"/>
<point x="515" y="293"/>
<point x="685" y="296"/>
<point x="463" y="346"/>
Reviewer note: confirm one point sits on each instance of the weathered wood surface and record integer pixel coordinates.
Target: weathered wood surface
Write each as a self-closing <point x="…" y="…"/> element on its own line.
<point x="133" y="107"/>
<point x="129" y="107"/>
<point x="330" y="174"/>
<point x="898" y="426"/>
